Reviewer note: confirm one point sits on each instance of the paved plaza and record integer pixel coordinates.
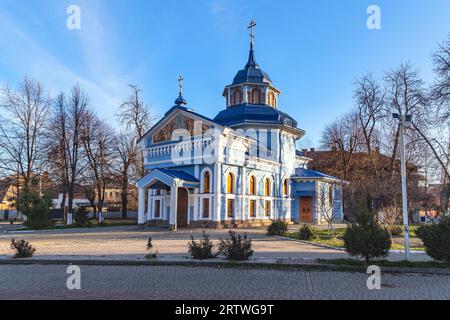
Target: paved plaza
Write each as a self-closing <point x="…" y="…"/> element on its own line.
<point x="131" y="241"/>
<point x="170" y="282"/>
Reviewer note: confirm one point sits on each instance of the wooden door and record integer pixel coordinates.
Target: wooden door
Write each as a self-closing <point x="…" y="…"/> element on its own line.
<point x="306" y="209"/>
<point x="182" y="208"/>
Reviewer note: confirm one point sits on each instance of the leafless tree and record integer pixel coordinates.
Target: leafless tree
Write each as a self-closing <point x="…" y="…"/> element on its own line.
<point x="440" y="91"/>
<point x="22" y="127"/>
<point x="369" y="99"/>
<point x="127" y="157"/>
<point x="135" y="116"/>
<point x="344" y="136"/>
<point x="405" y="94"/>
<point x="390" y="216"/>
<point x="98" y="143"/>
<point x="325" y="206"/>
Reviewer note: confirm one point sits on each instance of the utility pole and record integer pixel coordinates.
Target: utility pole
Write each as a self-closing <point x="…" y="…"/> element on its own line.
<point x="404" y="122"/>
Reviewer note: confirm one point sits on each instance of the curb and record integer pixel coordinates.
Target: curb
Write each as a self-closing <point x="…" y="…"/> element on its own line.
<point x="224" y="264"/>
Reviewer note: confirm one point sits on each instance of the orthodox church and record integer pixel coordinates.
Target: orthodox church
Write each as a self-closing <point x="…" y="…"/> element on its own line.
<point x="238" y="169"/>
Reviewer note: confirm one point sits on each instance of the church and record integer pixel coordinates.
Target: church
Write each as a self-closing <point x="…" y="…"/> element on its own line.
<point x="238" y="169"/>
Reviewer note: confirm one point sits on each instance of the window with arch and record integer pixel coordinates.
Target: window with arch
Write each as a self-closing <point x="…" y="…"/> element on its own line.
<point x="254" y="96"/>
<point x="267" y="185"/>
<point x="252" y="185"/>
<point x="230" y="183"/>
<point x="236" y="96"/>
<point x="207" y="182"/>
<point x="285" y="187"/>
<point x="272" y="99"/>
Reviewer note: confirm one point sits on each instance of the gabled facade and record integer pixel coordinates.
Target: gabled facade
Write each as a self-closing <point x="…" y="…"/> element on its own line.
<point x="240" y="168"/>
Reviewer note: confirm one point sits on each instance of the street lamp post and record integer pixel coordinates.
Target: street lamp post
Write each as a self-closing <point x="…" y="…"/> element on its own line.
<point x="404" y="122"/>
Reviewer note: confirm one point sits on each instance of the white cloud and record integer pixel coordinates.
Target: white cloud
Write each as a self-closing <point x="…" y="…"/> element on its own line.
<point x="21" y="55"/>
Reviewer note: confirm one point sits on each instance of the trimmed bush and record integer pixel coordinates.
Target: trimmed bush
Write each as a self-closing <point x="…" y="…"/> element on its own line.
<point x="277" y="228"/>
<point x="81" y="217"/>
<point x="201" y="250"/>
<point x="307" y="233"/>
<point x="236" y="247"/>
<point x="23" y="248"/>
<point x="436" y="239"/>
<point x="366" y="238"/>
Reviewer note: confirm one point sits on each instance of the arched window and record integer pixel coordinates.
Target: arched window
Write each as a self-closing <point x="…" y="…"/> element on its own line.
<point x="285" y="187"/>
<point x="272" y="99"/>
<point x="236" y="96"/>
<point x="267" y="187"/>
<point x="252" y="188"/>
<point x="230" y="183"/>
<point x="254" y="96"/>
<point x="207" y="182"/>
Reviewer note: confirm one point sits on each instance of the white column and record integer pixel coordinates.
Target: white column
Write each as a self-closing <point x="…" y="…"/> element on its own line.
<point x="217" y="185"/>
<point x="149" y="205"/>
<point x="141" y="206"/>
<point x="245" y="94"/>
<point x="173" y="207"/>
<point x="244" y="186"/>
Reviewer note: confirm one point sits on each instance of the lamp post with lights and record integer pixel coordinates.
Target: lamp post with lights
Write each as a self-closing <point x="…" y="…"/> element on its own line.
<point x="405" y="121"/>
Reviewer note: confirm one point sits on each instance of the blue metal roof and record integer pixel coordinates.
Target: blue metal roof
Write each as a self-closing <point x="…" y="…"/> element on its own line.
<point x="178" y="175"/>
<point x="302" y="173"/>
<point x="251" y="73"/>
<point x="252" y="113"/>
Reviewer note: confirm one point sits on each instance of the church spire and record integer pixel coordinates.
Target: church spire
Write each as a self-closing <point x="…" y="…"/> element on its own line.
<point x="180" y="100"/>
<point x="251" y="59"/>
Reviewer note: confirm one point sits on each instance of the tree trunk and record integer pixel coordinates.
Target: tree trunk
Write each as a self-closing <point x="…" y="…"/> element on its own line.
<point x="124" y="196"/>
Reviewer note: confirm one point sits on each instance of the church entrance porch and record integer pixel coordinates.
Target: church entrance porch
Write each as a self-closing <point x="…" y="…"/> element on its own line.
<point x="164" y="198"/>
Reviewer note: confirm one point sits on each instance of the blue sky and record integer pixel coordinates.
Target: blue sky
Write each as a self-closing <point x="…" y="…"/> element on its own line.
<point x="312" y="49"/>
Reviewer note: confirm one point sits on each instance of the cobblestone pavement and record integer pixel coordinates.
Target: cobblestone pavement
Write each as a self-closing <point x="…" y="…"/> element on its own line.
<point x="163" y="282"/>
<point x="130" y="240"/>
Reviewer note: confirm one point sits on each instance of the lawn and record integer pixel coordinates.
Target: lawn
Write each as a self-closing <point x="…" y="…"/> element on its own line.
<point x="325" y="238"/>
<point x="385" y="263"/>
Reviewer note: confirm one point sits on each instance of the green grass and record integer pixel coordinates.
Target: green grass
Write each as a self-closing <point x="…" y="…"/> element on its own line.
<point x="325" y="238"/>
<point x="385" y="263"/>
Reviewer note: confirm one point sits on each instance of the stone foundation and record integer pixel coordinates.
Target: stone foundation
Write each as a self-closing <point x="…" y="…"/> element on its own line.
<point x="158" y="223"/>
<point x="229" y="224"/>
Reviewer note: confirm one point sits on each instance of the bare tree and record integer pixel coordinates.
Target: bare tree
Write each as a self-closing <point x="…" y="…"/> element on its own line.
<point x="390" y="216"/>
<point x="22" y="127"/>
<point x="136" y="116"/>
<point x="405" y="95"/>
<point x="344" y="136"/>
<point x="369" y="99"/>
<point x="440" y="91"/>
<point x="127" y="157"/>
<point x="77" y="115"/>
<point x="325" y="206"/>
<point x="98" y="143"/>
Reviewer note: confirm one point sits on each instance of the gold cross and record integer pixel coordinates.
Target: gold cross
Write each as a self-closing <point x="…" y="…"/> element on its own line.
<point x="252" y="36"/>
<point x="180" y="80"/>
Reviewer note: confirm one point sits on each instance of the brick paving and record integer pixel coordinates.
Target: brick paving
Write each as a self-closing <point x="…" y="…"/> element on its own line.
<point x="130" y="240"/>
<point x="164" y="282"/>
